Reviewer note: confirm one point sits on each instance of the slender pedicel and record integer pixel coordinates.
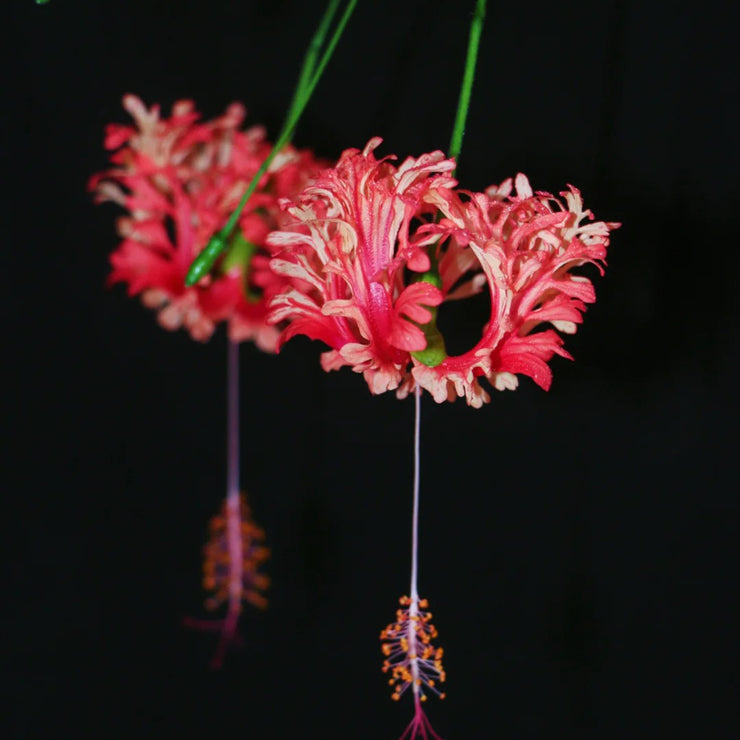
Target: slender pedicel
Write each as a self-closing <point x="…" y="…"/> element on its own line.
<point x="436" y="352"/>
<point x="312" y="54"/>
<point x="203" y="263"/>
<point x="463" y="103"/>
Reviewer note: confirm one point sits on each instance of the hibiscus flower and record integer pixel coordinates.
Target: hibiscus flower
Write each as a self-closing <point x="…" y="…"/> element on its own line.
<point x="375" y="248"/>
<point x="180" y="179"/>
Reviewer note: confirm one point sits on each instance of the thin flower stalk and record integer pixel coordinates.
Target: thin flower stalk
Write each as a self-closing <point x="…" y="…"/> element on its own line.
<point x="466" y="89"/>
<point x="204" y="262"/>
<point x="311" y="57"/>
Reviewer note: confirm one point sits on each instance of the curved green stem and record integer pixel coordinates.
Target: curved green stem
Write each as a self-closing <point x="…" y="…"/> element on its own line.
<point x="435" y="352"/>
<point x="312" y="54"/>
<point x="463" y="103"/>
<point x="203" y="263"/>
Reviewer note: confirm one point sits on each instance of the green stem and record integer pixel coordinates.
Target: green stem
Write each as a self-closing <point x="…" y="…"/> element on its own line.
<point x="476" y="28"/>
<point x="203" y="263"/>
<point x="435" y="352"/>
<point x="312" y="53"/>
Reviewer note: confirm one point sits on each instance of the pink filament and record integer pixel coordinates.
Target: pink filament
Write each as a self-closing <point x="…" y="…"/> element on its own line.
<point x="419" y="725"/>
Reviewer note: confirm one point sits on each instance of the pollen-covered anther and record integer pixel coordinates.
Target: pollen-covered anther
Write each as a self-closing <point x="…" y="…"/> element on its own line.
<point x="222" y="571"/>
<point x="411" y="659"/>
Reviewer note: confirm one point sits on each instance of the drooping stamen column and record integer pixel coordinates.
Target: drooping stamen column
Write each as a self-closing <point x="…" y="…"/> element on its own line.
<point x="411" y="658"/>
<point x="234" y="541"/>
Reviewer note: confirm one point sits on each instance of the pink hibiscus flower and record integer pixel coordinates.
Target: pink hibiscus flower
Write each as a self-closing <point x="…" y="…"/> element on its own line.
<point x="180" y="179"/>
<point x="366" y="230"/>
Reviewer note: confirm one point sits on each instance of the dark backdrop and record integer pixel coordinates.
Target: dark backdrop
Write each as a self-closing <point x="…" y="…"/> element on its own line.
<point x="577" y="546"/>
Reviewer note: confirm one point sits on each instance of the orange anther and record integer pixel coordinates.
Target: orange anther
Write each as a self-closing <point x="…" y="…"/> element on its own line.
<point x="410" y="656"/>
<point x="218" y="574"/>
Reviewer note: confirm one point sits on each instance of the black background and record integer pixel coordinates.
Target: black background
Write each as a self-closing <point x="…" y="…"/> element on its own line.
<point x="578" y="546"/>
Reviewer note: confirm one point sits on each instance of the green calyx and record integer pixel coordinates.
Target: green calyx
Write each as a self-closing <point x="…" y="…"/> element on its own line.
<point x="240" y="254"/>
<point x="435" y="353"/>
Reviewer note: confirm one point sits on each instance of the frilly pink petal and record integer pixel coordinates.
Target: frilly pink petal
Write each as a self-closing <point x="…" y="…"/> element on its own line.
<point x="351" y="243"/>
